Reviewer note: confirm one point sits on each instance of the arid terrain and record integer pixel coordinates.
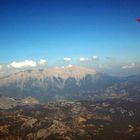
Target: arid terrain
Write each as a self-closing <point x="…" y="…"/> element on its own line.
<point x="113" y="119"/>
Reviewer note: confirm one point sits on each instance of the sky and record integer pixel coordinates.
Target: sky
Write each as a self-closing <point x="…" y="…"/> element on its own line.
<point x="99" y="33"/>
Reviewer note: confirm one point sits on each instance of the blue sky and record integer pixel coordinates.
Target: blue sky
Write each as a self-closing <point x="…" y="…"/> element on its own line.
<point x="53" y="29"/>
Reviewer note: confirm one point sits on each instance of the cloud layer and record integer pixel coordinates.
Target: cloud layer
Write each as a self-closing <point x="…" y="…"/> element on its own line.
<point x="23" y="64"/>
<point x="82" y="59"/>
<point x="95" y="57"/>
<point x="42" y="62"/>
<point x="128" y="66"/>
<point x="67" y="58"/>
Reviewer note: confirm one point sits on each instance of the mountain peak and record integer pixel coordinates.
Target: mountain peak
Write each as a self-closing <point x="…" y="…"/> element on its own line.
<point x="63" y="72"/>
<point x="70" y="71"/>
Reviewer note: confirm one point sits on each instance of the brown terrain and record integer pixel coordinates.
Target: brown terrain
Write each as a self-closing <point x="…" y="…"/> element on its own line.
<point x="69" y="120"/>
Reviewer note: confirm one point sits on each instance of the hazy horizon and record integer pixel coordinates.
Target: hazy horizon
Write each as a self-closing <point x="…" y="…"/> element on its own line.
<point x="98" y="34"/>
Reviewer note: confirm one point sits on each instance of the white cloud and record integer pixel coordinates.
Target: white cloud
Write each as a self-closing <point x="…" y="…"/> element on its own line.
<point x="129" y="66"/>
<point x="82" y="59"/>
<point x="42" y="61"/>
<point x="67" y="59"/>
<point x="23" y="64"/>
<point x="0" y="66"/>
<point x="69" y="66"/>
<point x="95" y="57"/>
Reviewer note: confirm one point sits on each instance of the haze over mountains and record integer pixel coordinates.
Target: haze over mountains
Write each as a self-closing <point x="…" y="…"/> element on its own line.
<point x="68" y="83"/>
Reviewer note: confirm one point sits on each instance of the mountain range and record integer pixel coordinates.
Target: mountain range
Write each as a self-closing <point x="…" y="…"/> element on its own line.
<point x="68" y="83"/>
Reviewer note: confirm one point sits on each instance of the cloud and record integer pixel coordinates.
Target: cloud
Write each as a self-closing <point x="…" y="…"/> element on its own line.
<point x="42" y="61"/>
<point x="69" y="66"/>
<point x="85" y="59"/>
<point x="129" y="66"/>
<point x="0" y="66"/>
<point x="95" y="57"/>
<point x="67" y="59"/>
<point x="82" y="59"/>
<point x="23" y="64"/>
